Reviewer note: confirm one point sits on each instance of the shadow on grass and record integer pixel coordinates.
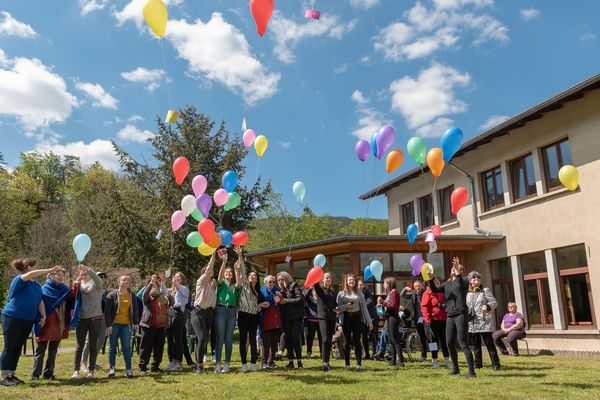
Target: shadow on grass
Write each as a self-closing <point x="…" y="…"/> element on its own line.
<point x="526" y="368"/>
<point x="502" y="376"/>
<point x="325" y="378"/>
<point x="574" y="385"/>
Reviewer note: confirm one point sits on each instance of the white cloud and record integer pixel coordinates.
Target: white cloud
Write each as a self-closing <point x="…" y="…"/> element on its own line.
<point x="369" y="119"/>
<point x="494" y="121"/>
<point x="453" y="4"/>
<point x="98" y="94"/>
<point x="32" y="93"/>
<point x="587" y="37"/>
<point x="218" y="51"/>
<point x="133" y="11"/>
<point x="135" y="118"/>
<point x="151" y="77"/>
<point x="359" y="98"/>
<point x="284" y="145"/>
<point x="88" y="6"/>
<point x="131" y="133"/>
<point x="97" y="151"/>
<point x="529" y="14"/>
<point x="287" y="33"/>
<point x="364" y="4"/>
<point x="340" y="69"/>
<point x="425" y="101"/>
<point x="11" y="27"/>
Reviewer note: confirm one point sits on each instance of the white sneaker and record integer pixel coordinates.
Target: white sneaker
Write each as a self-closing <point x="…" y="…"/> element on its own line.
<point x="347" y="367"/>
<point x="244" y="368"/>
<point x="359" y="368"/>
<point x="435" y="363"/>
<point x="111" y="373"/>
<point x="129" y="373"/>
<point x="218" y="368"/>
<point x="204" y="360"/>
<point x="178" y="367"/>
<point x="214" y="359"/>
<point x="447" y="363"/>
<point x="253" y="367"/>
<point x="225" y="368"/>
<point x="170" y="367"/>
<point x="75" y="375"/>
<point x="84" y="368"/>
<point x="90" y="374"/>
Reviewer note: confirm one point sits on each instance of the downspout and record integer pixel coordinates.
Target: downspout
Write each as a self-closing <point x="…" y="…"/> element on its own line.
<point x="472" y="190"/>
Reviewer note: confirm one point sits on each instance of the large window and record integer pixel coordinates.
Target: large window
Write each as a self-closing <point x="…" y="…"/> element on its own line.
<point x="554" y="157"/>
<point x="537" y="290"/>
<point x="493" y="190"/>
<point x="575" y="285"/>
<point x="445" y="207"/>
<point x="408" y="215"/>
<point x="339" y="265"/>
<point x="366" y="258"/>
<point x="522" y="177"/>
<point x="502" y="286"/>
<point x="437" y="262"/>
<point x="402" y="262"/>
<point x="426" y="211"/>
<point x="300" y="271"/>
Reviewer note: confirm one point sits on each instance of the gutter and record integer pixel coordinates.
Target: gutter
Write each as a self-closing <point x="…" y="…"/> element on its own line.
<point x="472" y="193"/>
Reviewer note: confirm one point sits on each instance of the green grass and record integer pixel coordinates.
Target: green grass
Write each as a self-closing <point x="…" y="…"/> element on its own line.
<point x="525" y="377"/>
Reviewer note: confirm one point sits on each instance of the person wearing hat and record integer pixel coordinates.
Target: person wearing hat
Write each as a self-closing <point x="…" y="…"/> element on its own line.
<point x="102" y="336"/>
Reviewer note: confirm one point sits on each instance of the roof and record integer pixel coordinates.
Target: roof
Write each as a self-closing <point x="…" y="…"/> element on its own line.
<point x="536" y="112"/>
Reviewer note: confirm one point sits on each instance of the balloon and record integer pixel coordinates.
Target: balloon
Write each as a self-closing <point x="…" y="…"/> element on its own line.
<point x="188" y="205"/>
<point x="299" y="191"/>
<point x="248" y="138"/>
<point x="199" y="184"/>
<point x="384" y="139"/>
<point x="424" y="268"/>
<point x="569" y="177"/>
<point x="435" y="161"/>
<point x="417" y="149"/>
<point x="197" y="215"/>
<point x="261" y="12"/>
<point x="450" y="142"/>
<point x="412" y="231"/>
<point x="458" y="199"/>
<point x="229" y="181"/>
<point x="205" y="249"/>
<point x="313" y="277"/>
<point x="204" y="204"/>
<point x="376" y="269"/>
<point x="314" y="14"/>
<point x="226" y="237"/>
<point x="221" y="196"/>
<point x="362" y="149"/>
<point x="374" y="145"/>
<point x="181" y="167"/>
<point x="436" y="230"/>
<point x="81" y="245"/>
<point x="206" y="229"/>
<point x="240" y="238"/>
<point x="233" y="202"/>
<point x="367" y="274"/>
<point x="194" y="239"/>
<point x="416" y="262"/>
<point x="319" y="260"/>
<point x="177" y="220"/>
<point x="156" y="16"/>
<point x="393" y="161"/>
<point x="260" y="145"/>
<point x="215" y="240"/>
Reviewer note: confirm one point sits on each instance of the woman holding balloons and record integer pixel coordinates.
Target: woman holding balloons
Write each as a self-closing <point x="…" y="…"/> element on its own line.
<point x="202" y="314"/>
<point x="392" y="308"/>
<point x="326" y="312"/>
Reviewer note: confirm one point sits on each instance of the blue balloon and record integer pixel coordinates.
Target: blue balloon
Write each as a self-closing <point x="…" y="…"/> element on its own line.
<point x="319" y="261"/>
<point x="367" y="273"/>
<point x="412" y="231"/>
<point x="451" y="141"/>
<point x="226" y="237"/>
<point x="229" y="181"/>
<point x="376" y="268"/>
<point x="380" y="310"/>
<point x="81" y="245"/>
<point x="374" y="145"/>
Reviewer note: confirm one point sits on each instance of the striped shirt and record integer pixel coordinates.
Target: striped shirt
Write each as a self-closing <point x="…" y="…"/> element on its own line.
<point x="247" y="298"/>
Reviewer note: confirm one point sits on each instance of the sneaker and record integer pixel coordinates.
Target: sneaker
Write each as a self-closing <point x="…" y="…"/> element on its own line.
<point x="111" y="372"/>
<point x="205" y="359"/>
<point x="300" y="366"/>
<point x="264" y="366"/>
<point x="244" y="368"/>
<point x="177" y="368"/>
<point x="359" y="368"/>
<point x="90" y="374"/>
<point x="84" y="368"/>
<point x="170" y="367"/>
<point x="50" y="378"/>
<point x="253" y="367"/>
<point x="8" y="381"/>
<point x="422" y="359"/>
<point x="348" y="367"/>
<point x="447" y="363"/>
<point x="435" y="363"/>
<point x="199" y="369"/>
<point x="218" y="368"/>
<point x="143" y="373"/>
<point x="75" y="375"/>
<point x="273" y="366"/>
<point x="471" y="375"/>
<point x="129" y="373"/>
<point x="19" y="381"/>
<point x="326" y="367"/>
<point x="214" y="359"/>
<point x="225" y="368"/>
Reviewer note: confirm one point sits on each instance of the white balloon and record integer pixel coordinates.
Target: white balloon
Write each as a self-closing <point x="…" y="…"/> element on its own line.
<point x="188" y="204"/>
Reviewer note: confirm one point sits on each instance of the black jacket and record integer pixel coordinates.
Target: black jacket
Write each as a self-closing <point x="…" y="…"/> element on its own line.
<point x="112" y="307"/>
<point x="294" y="306"/>
<point x="326" y="303"/>
<point x="456" y="295"/>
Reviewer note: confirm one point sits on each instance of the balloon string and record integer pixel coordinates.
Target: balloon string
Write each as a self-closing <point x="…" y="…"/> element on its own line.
<point x="172" y="249"/>
<point x="162" y="49"/>
<point x="293" y="236"/>
<point x="371" y="198"/>
<point x="257" y="169"/>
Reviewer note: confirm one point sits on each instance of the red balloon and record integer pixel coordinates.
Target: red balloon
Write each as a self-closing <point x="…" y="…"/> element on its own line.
<point x="181" y="167"/>
<point x="261" y="11"/>
<point x="314" y="276"/>
<point x="458" y="199"/>
<point x="207" y="229"/>
<point x="215" y="240"/>
<point x="240" y="238"/>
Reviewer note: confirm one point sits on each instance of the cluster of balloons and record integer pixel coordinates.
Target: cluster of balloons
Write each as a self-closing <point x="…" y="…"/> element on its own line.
<point x="260" y="142"/>
<point x="569" y="177"/>
<point x="81" y="245"/>
<point x="419" y="266"/>
<point x="375" y="269"/>
<point x="380" y="142"/>
<point x="315" y="275"/>
<point x="438" y="157"/>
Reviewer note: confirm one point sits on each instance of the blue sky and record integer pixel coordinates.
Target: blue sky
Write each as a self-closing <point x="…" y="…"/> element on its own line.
<point x="75" y="74"/>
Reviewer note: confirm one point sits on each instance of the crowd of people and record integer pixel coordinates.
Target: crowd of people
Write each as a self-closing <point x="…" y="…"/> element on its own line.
<point x="279" y="315"/>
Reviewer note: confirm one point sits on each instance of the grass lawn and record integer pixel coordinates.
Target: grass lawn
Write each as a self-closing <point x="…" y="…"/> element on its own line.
<point x="525" y="377"/>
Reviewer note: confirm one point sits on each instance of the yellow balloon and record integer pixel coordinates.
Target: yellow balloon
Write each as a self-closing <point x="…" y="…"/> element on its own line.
<point x="260" y="145"/>
<point x="569" y="177"/>
<point x="424" y="270"/>
<point x="156" y="16"/>
<point x="205" y="249"/>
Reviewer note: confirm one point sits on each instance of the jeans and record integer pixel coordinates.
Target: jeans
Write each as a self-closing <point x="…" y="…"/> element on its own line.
<point x="248" y="325"/>
<point x="92" y="327"/>
<point x="176" y="337"/>
<point x="86" y="348"/>
<point x="202" y="321"/>
<point x="327" y="328"/>
<point x="15" y="332"/>
<point x="438" y="331"/>
<point x="225" y="324"/>
<point x="457" y="328"/>
<point x="311" y="329"/>
<point x="352" y="328"/>
<point x="489" y="343"/>
<point x="153" y="342"/>
<point x="293" y="338"/>
<point x="512" y="337"/>
<point x="122" y="333"/>
<point x="38" y="359"/>
<point x="394" y="337"/>
<point x="382" y="342"/>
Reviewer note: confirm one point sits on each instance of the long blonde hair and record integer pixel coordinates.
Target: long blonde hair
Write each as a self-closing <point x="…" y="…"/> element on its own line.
<point x="347" y="288"/>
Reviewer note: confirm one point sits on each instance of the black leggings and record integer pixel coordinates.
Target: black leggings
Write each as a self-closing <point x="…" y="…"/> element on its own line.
<point x="248" y="325"/>
<point x="293" y="340"/>
<point x="202" y="320"/>
<point x="423" y="339"/>
<point x="394" y="337"/>
<point x="457" y="327"/>
<point x="438" y="331"/>
<point x="311" y="329"/>
<point x="91" y="327"/>
<point x="353" y="327"/>
<point x="176" y="336"/>
<point x="327" y="328"/>
<point x="475" y="341"/>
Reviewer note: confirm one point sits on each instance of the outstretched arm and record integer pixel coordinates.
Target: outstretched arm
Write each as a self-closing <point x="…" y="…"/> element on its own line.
<point x="32" y="275"/>
<point x="222" y="270"/>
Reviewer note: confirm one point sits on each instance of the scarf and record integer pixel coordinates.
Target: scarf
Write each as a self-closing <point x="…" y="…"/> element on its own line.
<point x="53" y="295"/>
<point x="269" y="294"/>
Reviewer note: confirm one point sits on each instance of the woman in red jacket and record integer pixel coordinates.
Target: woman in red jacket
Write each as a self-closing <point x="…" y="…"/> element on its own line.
<point x="434" y="317"/>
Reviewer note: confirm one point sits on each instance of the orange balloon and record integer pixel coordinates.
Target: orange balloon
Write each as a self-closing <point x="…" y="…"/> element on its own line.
<point x="215" y="240"/>
<point x="394" y="160"/>
<point x="435" y="161"/>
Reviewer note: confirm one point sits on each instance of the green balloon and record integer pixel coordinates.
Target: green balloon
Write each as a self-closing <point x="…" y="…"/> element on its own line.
<point x="233" y="202"/>
<point x="417" y="149"/>
<point x="194" y="239"/>
<point x="197" y="215"/>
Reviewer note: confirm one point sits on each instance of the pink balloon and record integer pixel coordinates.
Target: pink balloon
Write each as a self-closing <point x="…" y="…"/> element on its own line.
<point x="248" y="138"/>
<point x="199" y="184"/>
<point x="177" y="220"/>
<point x="221" y="196"/>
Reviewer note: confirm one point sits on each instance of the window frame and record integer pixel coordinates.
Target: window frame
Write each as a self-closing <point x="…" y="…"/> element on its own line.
<point x="538" y="277"/>
<point x="486" y="205"/>
<point x="546" y="166"/>
<point x="512" y="162"/>
<point x="404" y="224"/>
<point x="453" y="217"/>
<point x="423" y="225"/>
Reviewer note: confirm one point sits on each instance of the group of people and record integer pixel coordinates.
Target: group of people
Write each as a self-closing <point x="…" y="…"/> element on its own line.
<point x="277" y="313"/>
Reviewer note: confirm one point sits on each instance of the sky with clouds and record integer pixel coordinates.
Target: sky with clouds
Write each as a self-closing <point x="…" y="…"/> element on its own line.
<point x="76" y="74"/>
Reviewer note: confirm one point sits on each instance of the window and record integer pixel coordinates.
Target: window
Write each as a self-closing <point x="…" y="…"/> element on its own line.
<point x="537" y="290"/>
<point x="554" y="157"/>
<point x="493" y="190"/>
<point x="408" y="215"/>
<point x="575" y="285"/>
<point x="437" y="262"/>
<point x="402" y="262"/>
<point x="282" y="267"/>
<point x="523" y="177"/>
<point x="445" y="207"/>
<point x="426" y="211"/>
<point x="366" y="258"/>
<point x="502" y="286"/>
<point x="300" y="271"/>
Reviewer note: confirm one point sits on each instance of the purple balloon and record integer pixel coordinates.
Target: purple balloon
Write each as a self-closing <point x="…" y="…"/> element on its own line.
<point x="362" y="149"/>
<point x="385" y="138"/>
<point x="416" y="262"/>
<point x="204" y="204"/>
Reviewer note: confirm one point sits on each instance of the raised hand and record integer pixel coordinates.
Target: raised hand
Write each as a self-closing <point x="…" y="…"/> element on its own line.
<point x="238" y="250"/>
